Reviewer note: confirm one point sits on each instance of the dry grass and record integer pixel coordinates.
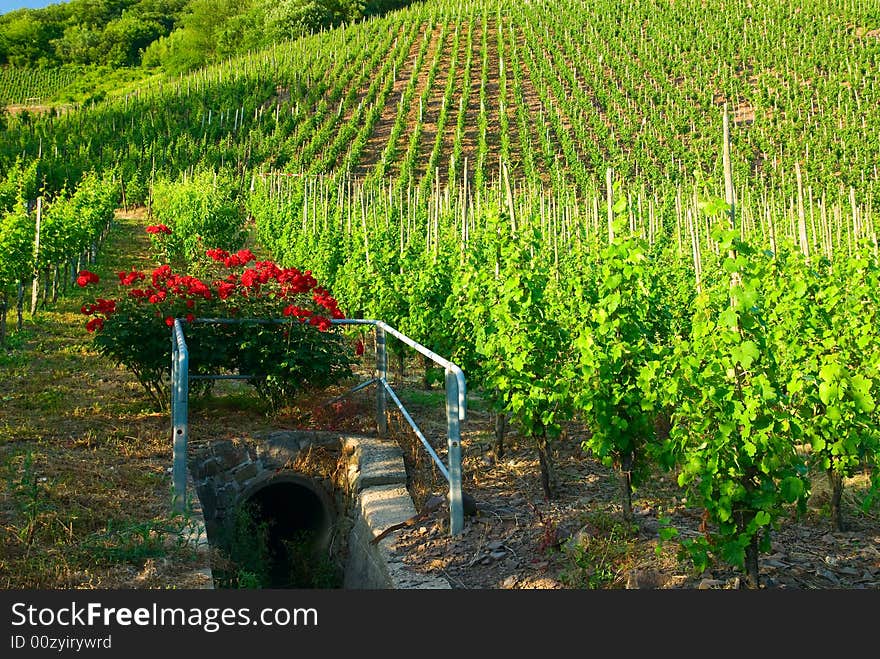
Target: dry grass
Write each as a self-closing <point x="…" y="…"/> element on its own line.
<point x="83" y="458"/>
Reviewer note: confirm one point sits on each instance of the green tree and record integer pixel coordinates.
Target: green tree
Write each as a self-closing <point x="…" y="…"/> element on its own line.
<point x="166" y="13"/>
<point x="25" y="39"/>
<point x="290" y="19"/>
<point x="124" y="40"/>
<point x="80" y="44"/>
<point x="242" y="33"/>
<point x="206" y="32"/>
<point x="96" y="12"/>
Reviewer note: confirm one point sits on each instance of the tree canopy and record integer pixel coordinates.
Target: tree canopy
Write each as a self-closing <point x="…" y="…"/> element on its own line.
<point x="177" y="35"/>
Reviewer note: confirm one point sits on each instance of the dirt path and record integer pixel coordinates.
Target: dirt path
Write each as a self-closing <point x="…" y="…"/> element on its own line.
<point x="375" y="145"/>
<point x="471" y="139"/>
<point x="84" y="457"/>
<point x="431" y="110"/>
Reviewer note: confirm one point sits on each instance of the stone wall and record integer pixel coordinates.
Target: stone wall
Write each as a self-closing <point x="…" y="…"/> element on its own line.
<point x="225" y="472"/>
<point x="377" y="486"/>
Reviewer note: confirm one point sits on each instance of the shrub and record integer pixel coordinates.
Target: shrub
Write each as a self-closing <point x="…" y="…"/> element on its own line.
<point x="295" y="347"/>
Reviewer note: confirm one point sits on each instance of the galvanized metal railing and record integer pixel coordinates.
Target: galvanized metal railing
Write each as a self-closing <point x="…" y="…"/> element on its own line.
<point x="456" y="405"/>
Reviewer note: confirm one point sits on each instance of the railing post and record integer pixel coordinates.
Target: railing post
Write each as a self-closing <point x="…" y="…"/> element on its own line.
<point x="381" y="374"/>
<point x="179" y="415"/>
<point x="174" y="377"/>
<point x="456" y="509"/>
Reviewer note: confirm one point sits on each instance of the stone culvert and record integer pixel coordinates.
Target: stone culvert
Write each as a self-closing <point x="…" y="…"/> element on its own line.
<point x="342" y="489"/>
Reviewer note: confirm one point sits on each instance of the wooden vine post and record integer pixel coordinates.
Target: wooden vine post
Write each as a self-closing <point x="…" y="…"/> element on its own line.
<point x="35" y="283"/>
<point x="609" y="193"/>
<point x="729" y="194"/>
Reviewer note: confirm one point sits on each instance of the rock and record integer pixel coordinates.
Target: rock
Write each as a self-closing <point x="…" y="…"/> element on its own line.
<point x="645" y="580"/>
<point x="707" y="584"/>
<point x="828" y="575"/>
<point x="245" y="471"/>
<point x="509" y="582"/>
<point x="498" y="554"/>
<point x="650" y="526"/>
<point x="495" y="545"/>
<point x="469" y="505"/>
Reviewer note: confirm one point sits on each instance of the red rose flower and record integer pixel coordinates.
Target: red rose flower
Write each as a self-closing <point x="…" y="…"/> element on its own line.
<point x="127" y="279"/>
<point x="245" y="256"/>
<point x="161" y="274"/>
<point x="85" y="278"/>
<point x="224" y="289"/>
<point x="248" y="278"/>
<point x="217" y="254"/>
<point x="106" y="307"/>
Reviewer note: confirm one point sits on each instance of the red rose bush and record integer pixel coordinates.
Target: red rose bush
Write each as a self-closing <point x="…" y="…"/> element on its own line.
<point x="299" y="348"/>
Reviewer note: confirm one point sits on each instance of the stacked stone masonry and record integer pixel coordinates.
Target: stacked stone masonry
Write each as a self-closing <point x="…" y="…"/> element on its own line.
<point x="376" y="496"/>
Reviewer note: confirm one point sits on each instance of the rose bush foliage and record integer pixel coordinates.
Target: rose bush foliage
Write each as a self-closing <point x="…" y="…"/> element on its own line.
<point x="300" y="349"/>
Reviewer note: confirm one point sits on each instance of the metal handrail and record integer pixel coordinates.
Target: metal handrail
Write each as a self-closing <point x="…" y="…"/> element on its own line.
<point x="179" y="413"/>
<point x="430" y="354"/>
<point x="456" y="405"/>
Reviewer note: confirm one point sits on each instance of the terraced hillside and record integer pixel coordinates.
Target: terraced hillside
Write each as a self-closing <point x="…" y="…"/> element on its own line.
<point x="555" y="91"/>
<point x="645" y="230"/>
